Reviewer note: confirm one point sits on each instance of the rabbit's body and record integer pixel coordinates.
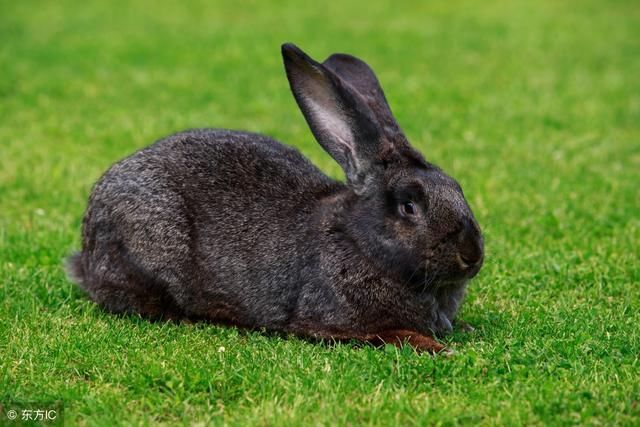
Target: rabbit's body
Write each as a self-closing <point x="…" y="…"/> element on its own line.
<point x="235" y="227"/>
<point x="165" y="194"/>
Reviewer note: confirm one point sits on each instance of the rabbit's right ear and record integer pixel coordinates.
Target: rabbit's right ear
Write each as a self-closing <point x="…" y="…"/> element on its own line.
<point x="338" y="116"/>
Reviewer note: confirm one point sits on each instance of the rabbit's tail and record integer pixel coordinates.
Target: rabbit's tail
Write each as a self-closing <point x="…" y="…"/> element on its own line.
<point x="128" y="292"/>
<point x="75" y="270"/>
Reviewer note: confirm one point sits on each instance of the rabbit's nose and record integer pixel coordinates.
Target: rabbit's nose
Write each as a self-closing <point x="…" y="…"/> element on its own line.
<point x="470" y="249"/>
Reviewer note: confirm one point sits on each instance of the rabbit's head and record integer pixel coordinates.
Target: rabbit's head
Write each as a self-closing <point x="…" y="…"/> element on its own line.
<point x="406" y="214"/>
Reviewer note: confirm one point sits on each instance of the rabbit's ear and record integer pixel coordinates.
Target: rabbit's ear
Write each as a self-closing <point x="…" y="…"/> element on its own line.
<point x="337" y="114"/>
<point x="360" y="76"/>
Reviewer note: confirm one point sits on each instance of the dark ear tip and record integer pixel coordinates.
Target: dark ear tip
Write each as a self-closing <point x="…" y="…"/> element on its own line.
<point x="346" y="60"/>
<point x="295" y="58"/>
<point x="291" y="52"/>
<point x="341" y="57"/>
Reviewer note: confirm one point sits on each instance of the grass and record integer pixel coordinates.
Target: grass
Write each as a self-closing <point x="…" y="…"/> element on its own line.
<point x="533" y="106"/>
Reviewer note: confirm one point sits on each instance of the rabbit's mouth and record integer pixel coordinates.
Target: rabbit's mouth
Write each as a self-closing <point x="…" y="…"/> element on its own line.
<point x="433" y="276"/>
<point x="470" y="270"/>
<point x="457" y="269"/>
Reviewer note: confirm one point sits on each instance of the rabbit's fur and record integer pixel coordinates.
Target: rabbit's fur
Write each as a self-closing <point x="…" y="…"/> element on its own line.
<point x="235" y="227"/>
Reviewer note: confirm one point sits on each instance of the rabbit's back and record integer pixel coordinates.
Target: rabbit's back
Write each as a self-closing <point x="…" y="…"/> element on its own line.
<point x="197" y="225"/>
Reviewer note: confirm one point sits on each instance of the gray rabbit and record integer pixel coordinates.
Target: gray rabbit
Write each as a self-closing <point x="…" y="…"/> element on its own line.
<point x="237" y="228"/>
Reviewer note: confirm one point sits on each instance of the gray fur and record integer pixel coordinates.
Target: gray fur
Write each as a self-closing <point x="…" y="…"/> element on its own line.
<point x="235" y="227"/>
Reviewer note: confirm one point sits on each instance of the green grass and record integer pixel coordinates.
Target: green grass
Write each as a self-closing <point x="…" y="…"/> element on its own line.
<point x="533" y="106"/>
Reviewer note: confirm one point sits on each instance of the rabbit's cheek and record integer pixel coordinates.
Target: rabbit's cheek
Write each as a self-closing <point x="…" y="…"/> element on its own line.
<point x="404" y="231"/>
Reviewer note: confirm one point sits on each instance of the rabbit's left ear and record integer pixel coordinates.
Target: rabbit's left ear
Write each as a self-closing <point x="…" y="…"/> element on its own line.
<point x="338" y="115"/>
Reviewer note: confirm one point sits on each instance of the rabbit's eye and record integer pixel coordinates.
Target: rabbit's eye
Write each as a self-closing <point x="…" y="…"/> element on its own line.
<point x="407" y="208"/>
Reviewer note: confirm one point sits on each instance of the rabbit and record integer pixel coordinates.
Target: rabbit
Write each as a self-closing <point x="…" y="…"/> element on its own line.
<point x="236" y="228"/>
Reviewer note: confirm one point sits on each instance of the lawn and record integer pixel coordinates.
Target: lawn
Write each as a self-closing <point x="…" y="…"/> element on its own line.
<point x="533" y="106"/>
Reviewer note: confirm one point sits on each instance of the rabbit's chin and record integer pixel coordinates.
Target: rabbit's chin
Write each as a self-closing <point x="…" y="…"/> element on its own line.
<point x="437" y="284"/>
